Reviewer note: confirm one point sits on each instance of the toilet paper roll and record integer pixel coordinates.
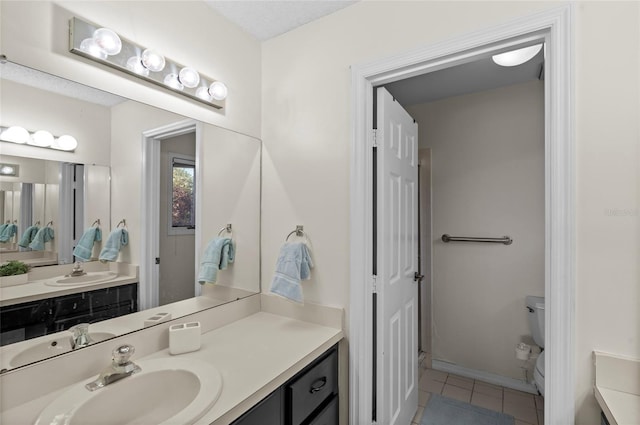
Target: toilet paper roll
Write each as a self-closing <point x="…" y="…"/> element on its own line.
<point x="522" y="351"/>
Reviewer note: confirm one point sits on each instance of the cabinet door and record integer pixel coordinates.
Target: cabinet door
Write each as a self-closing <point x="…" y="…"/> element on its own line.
<point x="267" y="412"/>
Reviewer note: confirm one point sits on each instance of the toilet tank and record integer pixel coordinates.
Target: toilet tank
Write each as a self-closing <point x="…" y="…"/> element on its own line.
<point x="535" y="314"/>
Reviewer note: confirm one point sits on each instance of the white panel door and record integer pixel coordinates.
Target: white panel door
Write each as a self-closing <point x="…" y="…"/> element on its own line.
<point x="397" y="262"/>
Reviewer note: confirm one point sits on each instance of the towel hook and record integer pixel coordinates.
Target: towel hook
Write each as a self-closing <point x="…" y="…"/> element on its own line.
<point x="49" y="223"/>
<point x="37" y="223"/>
<point x="96" y="222"/>
<point x="227" y="229"/>
<point x="123" y="222"/>
<point x="299" y="232"/>
<point x="15" y="221"/>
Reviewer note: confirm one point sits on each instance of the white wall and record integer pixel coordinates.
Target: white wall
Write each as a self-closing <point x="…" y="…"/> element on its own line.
<point x="307" y="131"/>
<point x="35" y="34"/>
<point x="488" y="180"/>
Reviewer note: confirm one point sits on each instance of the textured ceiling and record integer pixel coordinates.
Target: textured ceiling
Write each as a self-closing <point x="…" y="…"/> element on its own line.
<point x="265" y="19"/>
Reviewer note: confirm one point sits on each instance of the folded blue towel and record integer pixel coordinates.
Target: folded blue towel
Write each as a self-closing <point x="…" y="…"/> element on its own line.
<point x="294" y="264"/>
<point x="3" y="226"/>
<point x="8" y="232"/>
<point x="43" y="235"/>
<point x="85" y="245"/>
<point x="217" y="255"/>
<point x="116" y="240"/>
<point x="28" y="236"/>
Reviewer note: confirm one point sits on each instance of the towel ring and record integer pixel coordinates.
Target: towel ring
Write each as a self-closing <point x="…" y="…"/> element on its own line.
<point x="96" y="222"/>
<point x="227" y="229"/>
<point x="49" y="223"/>
<point x="298" y="232"/>
<point x="123" y="222"/>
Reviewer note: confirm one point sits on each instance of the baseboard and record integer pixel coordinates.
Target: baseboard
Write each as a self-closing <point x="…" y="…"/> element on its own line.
<point x="480" y="375"/>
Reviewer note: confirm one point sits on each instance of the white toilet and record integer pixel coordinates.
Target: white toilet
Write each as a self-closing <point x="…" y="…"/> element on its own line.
<point x="535" y="307"/>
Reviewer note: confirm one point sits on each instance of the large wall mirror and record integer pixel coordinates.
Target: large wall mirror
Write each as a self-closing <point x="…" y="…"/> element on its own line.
<point x="174" y="184"/>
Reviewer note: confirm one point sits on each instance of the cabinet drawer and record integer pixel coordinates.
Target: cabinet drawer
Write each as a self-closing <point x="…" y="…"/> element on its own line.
<point x="267" y="412"/>
<point x="328" y="415"/>
<point x="314" y="386"/>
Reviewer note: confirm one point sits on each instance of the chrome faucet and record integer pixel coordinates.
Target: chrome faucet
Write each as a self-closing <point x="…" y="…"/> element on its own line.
<point x="81" y="337"/>
<point x="120" y="368"/>
<point x="76" y="271"/>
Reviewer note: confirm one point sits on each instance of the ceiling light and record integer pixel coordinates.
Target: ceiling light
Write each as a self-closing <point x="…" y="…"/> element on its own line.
<point x="203" y="93"/>
<point x="9" y="170"/>
<point x="172" y="81"/>
<point x="153" y="60"/>
<point x="134" y="64"/>
<point x="189" y="77"/>
<point x="517" y="57"/>
<point x="108" y="41"/>
<point x="106" y="47"/>
<point x="90" y="47"/>
<point x="218" y="90"/>
<point x="41" y="138"/>
<point x="65" y="143"/>
<point x="15" y="134"/>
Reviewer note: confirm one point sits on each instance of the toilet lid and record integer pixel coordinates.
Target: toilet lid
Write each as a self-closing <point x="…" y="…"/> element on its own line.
<point x="540" y="364"/>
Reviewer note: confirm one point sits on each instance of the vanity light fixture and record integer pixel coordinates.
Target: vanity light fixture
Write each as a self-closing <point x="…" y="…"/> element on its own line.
<point x="104" y="46"/>
<point x="40" y="138"/>
<point x="518" y="56"/>
<point x="9" y="169"/>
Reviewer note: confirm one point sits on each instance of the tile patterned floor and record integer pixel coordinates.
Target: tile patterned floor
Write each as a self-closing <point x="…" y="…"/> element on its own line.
<point x="526" y="408"/>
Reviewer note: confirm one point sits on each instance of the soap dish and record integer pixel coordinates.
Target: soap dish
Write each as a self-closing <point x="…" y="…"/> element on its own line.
<point x="184" y="337"/>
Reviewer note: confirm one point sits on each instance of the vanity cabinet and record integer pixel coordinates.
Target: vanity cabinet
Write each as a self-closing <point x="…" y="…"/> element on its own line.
<point x="28" y="320"/>
<point x="309" y="398"/>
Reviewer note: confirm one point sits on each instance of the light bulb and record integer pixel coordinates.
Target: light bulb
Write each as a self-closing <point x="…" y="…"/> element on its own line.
<point x="218" y="90"/>
<point x="65" y="143"/>
<point x="517" y="57"/>
<point x="203" y="93"/>
<point x="134" y="64"/>
<point x="108" y="41"/>
<point x="172" y="81"/>
<point x="7" y="170"/>
<point x="152" y="60"/>
<point x="89" y="46"/>
<point x="15" y="134"/>
<point x="189" y="77"/>
<point x="42" y="138"/>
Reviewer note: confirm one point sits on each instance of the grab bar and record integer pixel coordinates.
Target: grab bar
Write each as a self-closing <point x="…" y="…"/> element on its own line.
<point x="448" y="238"/>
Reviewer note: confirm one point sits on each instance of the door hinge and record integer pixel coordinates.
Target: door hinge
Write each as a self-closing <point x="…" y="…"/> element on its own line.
<point x="374" y="284"/>
<point x="374" y="138"/>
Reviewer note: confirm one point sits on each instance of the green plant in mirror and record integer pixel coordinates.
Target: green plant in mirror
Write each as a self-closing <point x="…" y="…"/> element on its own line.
<point x="13" y="268"/>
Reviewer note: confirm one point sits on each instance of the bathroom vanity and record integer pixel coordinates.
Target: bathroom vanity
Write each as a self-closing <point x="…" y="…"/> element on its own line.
<point x="617" y="388"/>
<point x="277" y="362"/>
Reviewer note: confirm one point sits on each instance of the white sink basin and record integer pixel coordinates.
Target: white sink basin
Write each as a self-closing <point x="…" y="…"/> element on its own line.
<point x="46" y="349"/>
<point x="168" y="391"/>
<point x="91" y="277"/>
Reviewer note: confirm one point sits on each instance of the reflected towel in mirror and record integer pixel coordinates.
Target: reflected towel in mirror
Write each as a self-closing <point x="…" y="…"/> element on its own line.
<point x="8" y="232"/>
<point x="116" y="240"/>
<point x="217" y="255"/>
<point x="85" y="246"/>
<point x="44" y="235"/>
<point x="28" y="236"/>
<point x="294" y="265"/>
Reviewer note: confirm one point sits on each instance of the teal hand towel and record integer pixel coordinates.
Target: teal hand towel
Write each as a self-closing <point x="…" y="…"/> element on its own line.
<point x="8" y="232"/>
<point x="85" y="245"/>
<point x="294" y="265"/>
<point x="28" y="236"/>
<point x="217" y="256"/>
<point x="44" y="235"/>
<point x="116" y="240"/>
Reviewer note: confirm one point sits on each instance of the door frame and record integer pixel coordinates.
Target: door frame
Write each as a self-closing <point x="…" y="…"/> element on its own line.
<point x="148" y="291"/>
<point x="554" y="26"/>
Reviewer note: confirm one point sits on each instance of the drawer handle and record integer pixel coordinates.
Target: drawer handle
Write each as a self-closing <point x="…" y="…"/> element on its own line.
<point x="318" y="385"/>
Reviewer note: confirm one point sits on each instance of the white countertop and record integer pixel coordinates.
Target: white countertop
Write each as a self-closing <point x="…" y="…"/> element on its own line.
<point x="255" y="355"/>
<point x="617" y="388"/>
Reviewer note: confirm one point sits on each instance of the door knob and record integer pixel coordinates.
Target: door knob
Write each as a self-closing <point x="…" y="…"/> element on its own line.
<point x="417" y="277"/>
